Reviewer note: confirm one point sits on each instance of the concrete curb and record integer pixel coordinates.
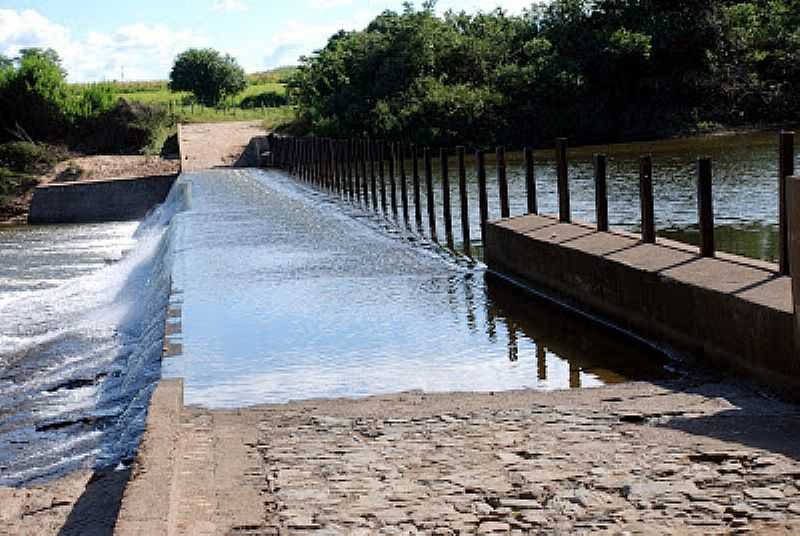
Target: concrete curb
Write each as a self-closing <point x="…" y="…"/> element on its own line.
<point x="148" y="503"/>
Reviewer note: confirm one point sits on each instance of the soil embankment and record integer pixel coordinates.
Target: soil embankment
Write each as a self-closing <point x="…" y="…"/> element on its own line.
<point x="90" y="168"/>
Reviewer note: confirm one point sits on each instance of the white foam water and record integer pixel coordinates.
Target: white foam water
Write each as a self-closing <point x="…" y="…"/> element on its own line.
<point x="80" y="346"/>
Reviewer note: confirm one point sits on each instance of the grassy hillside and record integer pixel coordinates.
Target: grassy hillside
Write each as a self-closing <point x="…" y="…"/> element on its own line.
<point x="181" y="105"/>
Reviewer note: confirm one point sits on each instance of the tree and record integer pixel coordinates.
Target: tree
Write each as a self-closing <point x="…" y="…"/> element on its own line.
<point x="34" y="95"/>
<point x="209" y="75"/>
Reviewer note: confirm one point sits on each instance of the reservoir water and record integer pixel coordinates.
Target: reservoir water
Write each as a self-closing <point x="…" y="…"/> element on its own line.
<point x="286" y="293"/>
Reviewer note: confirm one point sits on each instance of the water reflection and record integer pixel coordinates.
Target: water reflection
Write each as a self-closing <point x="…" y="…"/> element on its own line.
<point x="589" y="348"/>
<point x="319" y="300"/>
<point x="745" y="187"/>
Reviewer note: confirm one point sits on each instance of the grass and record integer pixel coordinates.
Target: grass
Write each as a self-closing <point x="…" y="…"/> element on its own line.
<point x="157" y="92"/>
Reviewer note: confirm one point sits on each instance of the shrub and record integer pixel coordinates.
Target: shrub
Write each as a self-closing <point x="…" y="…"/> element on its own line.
<point x="90" y="101"/>
<point x="268" y="99"/>
<point x="13" y="183"/>
<point x="27" y="157"/>
<point x="207" y="74"/>
<point x="128" y="127"/>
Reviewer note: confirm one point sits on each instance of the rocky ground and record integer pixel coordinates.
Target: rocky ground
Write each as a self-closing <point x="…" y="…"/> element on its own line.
<point x="704" y="458"/>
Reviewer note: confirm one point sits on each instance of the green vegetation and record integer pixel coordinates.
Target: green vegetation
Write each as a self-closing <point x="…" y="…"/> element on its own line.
<point x="208" y="75"/>
<point x="20" y="163"/>
<point x="593" y="70"/>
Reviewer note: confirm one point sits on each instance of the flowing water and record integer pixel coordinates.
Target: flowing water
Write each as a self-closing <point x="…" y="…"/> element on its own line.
<point x="289" y="294"/>
<point x="81" y="326"/>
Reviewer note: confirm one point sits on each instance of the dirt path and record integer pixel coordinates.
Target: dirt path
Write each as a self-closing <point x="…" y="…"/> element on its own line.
<point x="210" y="145"/>
<point x="676" y="458"/>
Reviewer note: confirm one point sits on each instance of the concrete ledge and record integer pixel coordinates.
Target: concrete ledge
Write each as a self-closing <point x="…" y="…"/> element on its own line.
<point x="98" y="201"/>
<point x="148" y="503"/>
<point x="729" y="310"/>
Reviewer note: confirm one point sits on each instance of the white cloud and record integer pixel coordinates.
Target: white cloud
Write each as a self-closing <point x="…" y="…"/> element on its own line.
<point x="142" y="51"/>
<point x="229" y="5"/>
<point x="327" y="4"/>
<point x="302" y="38"/>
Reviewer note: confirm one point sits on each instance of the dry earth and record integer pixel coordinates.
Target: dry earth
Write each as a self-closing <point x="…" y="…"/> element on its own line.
<point x="206" y="146"/>
<point x="85" y="168"/>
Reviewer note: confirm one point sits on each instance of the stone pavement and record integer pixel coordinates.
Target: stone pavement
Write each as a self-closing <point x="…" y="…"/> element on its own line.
<point x="637" y="458"/>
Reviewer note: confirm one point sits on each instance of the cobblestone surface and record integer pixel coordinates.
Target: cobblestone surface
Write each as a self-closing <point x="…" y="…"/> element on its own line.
<point x="634" y="458"/>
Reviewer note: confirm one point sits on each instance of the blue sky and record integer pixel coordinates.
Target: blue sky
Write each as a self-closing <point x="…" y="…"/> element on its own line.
<point x="106" y="40"/>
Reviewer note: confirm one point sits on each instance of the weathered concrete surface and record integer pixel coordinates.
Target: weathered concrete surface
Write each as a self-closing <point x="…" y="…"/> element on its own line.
<point x="98" y="201"/>
<point x="680" y="458"/>
<point x="81" y="504"/>
<point x="793" y="213"/>
<point x="730" y="310"/>
<point x="205" y="146"/>
<point x="150" y="494"/>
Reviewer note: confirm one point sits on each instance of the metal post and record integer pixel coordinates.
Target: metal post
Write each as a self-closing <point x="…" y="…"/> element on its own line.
<point x="446" y="208"/>
<point x="600" y="192"/>
<point x="530" y="182"/>
<point x="646" y="199"/>
<point x="392" y="179"/>
<point x="431" y="198"/>
<point x="483" y="198"/>
<point x="705" y="207"/>
<point x="564" y="214"/>
<point x="462" y="194"/>
<point x="381" y="174"/>
<point x="401" y="159"/>
<point x="502" y="183"/>
<point x="415" y="179"/>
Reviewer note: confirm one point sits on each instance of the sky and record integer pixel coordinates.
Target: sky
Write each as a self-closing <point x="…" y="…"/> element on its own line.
<point x="138" y="39"/>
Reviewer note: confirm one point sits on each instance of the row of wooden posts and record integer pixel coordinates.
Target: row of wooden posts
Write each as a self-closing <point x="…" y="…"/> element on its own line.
<point x="356" y="169"/>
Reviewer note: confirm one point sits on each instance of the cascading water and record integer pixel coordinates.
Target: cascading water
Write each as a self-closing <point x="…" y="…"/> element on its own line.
<point x="81" y="334"/>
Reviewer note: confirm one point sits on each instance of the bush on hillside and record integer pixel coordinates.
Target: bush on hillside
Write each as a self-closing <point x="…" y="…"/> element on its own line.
<point x="127" y="128"/>
<point x="268" y="99"/>
<point x="28" y="157"/>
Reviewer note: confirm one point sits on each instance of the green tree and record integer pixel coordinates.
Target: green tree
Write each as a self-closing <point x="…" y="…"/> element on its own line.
<point x="34" y="96"/>
<point x="207" y="74"/>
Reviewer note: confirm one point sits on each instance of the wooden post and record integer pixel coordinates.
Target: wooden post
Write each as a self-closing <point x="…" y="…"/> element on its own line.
<point x="646" y="199"/>
<point x="705" y="207"/>
<point x="392" y="180"/>
<point x="793" y="219"/>
<point x="462" y="194"/>
<point x="785" y="169"/>
<point x="382" y="159"/>
<point x="415" y="180"/>
<point x="372" y="178"/>
<point x="530" y="182"/>
<point x="502" y="182"/>
<point x="600" y="192"/>
<point x="483" y="197"/>
<point x="401" y="160"/>
<point x="562" y="168"/>
<point x="431" y="198"/>
<point x="446" y="207"/>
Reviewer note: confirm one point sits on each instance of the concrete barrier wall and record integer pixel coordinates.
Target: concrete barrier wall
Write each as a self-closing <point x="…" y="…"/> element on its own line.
<point x="730" y="311"/>
<point x="98" y="201"/>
